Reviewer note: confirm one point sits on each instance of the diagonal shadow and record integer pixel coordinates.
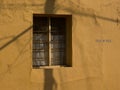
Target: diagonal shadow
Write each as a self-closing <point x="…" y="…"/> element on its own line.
<point x="80" y="13"/>
<point x="15" y="38"/>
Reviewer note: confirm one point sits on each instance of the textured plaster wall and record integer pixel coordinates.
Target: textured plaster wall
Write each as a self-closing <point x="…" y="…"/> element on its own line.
<point x="95" y="45"/>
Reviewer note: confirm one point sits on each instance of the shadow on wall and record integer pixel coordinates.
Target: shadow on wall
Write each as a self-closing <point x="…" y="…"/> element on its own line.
<point x="15" y="38"/>
<point x="50" y="83"/>
<point x="49" y="6"/>
<point x="21" y="52"/>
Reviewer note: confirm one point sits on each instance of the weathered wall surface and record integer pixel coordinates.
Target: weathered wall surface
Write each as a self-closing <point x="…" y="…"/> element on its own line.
<point x="95" y="41"/>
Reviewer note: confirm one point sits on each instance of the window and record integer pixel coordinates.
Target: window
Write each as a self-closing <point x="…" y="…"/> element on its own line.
<point x="52" y="40"/>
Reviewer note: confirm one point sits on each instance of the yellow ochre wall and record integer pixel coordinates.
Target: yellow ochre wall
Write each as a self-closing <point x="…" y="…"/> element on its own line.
<point x="95" y="45"/>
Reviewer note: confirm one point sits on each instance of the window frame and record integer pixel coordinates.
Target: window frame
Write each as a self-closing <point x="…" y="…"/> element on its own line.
<point x="68" y="45"/>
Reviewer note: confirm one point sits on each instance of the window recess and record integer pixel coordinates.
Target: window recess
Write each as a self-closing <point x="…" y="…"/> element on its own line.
<point x="52" y="40"/>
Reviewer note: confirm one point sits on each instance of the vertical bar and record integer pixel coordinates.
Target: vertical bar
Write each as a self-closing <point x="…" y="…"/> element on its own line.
<point x="49" y="42"/>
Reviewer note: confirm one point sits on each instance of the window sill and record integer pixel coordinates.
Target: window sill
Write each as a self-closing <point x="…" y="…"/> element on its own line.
<point x="50" y="67"/>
